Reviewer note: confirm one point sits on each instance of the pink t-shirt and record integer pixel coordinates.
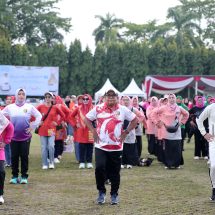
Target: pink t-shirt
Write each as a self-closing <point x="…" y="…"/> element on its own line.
<point x="151" y="128"/>
<point x="6" y="137"/>
<point x="167" y="116"/>
<point x="109" y="125"/>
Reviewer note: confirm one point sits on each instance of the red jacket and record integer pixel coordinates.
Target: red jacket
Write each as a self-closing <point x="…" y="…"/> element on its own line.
<point x="81" y="132"/>
<point x="48" y="127"/>
<point x="61" y="134"/>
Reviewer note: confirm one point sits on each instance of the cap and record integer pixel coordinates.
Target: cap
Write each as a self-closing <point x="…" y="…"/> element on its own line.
<point x="111" y="93"/>
<point x="49" y="93"/>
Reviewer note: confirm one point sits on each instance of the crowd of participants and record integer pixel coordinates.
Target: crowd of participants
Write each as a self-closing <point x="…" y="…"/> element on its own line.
<point x="166" y="122"/>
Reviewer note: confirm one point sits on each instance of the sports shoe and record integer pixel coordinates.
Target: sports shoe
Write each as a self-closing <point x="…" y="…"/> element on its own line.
<point x="23" y="181"/>
<point x="122" y="166"/>
<point x="51" y="166"/>
<point x="81" y="165"/>
<point x="14" y="180"/>
<point x="212" y="198"/>
<point x="1" y="200"/>
<point x="196" y="158"/>
<point x="129" y="166"/>
<point x="56" y="160"/>
<point x="114" y="199"/>
<point x="45" y="167"/>
<point x="89" y="165"/>
<point x="206" y="157"/>
<point x="101" y="198"/>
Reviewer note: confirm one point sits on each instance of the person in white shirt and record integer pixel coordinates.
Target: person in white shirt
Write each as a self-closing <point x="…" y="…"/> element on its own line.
<point x="20" y="114"/>
<point x="109" y="137"/>
<point x="209" y="112"/>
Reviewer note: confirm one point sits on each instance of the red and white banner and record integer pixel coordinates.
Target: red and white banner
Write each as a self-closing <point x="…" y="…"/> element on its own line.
<point x="165" y="85"/>
<point x="174" y="84"/>
<point x="208" y="81"/>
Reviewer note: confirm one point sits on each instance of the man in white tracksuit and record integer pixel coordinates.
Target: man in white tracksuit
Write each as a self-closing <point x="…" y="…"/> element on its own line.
<point x="209" y="112"/>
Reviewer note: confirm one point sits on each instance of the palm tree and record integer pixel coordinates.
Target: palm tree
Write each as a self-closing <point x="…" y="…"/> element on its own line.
<point x="184" y="24"/>
<point x="108" y="30"/>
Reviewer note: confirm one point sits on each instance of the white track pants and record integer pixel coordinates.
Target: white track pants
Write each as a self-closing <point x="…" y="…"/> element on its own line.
<point x="212" y="162"/>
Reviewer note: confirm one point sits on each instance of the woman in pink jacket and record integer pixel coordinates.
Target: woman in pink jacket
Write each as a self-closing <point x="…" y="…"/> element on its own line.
<point x="151" y="130"/>
<point x="160" y="132"/>
<point x="139" y="127"/>
<point x="172" y="116"/>
<point x="6" y="134"/>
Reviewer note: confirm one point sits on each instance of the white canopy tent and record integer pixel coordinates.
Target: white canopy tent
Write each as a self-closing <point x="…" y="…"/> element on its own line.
<point x="133" y="90"/>
<point x="107" y="86"/>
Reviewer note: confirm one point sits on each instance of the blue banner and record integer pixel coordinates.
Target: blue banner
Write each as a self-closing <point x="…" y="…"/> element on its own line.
<point x="35" y="80"/>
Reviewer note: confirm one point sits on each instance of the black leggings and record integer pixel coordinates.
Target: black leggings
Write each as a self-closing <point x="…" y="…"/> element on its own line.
<point x="2" y="177"/>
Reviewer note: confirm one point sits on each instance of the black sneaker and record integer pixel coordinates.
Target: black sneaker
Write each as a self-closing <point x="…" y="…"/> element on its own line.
<point x="212" y="198"/>
<point x="114" y="199"/>
<point x="101" y="198"/>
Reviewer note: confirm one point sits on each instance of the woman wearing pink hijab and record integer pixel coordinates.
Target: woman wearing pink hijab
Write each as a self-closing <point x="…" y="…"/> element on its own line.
<point x="139" y="128"/>
<point x="172" y="116"/>
<point x="201" y="145"/>
<point x="151" y="130"/>
<point x="160" y="131"/>
<point x="130" y="155"/>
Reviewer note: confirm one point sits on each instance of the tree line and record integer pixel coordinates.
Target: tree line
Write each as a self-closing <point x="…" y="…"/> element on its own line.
<point x="183" y="46"/>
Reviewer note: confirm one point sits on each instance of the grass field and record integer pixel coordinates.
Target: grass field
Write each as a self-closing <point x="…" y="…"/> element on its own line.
<point x="144" y="190"/>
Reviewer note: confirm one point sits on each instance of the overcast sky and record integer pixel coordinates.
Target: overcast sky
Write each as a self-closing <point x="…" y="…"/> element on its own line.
<point x="83" y="14"/>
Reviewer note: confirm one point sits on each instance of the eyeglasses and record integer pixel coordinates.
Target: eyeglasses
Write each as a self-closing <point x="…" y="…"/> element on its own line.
<point x="85" y="99"/>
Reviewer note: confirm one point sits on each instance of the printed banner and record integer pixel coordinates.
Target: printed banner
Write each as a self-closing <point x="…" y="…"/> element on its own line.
<point x="35" y="80"/>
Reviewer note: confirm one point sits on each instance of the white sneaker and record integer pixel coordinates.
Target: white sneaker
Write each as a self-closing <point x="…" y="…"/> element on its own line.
<point x="45" y="167"/>
<point x="56" y="160"/>
<point x="206" y="157"/>
<point x="89" y="165"/>
<point x="59" y="157"/>
<point x="1" y="200"/>
<point x="51" y="166"/>
<point x="129" y="166"/>
<point x="196" y="158"/>
<point x="81" y="165"/>
<point x="122" y="166"/>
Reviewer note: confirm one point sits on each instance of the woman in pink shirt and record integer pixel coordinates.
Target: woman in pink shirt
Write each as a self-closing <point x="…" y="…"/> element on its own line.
<point x="172" y="116"/>
<point x="160" y="132"/>
<point x="151" y="128"/>
<point x="6" y="134"/>
<point x="139" y="128"/>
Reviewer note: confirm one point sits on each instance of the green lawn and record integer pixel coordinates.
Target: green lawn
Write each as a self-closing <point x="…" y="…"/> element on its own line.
<point x="68" y="190"/>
